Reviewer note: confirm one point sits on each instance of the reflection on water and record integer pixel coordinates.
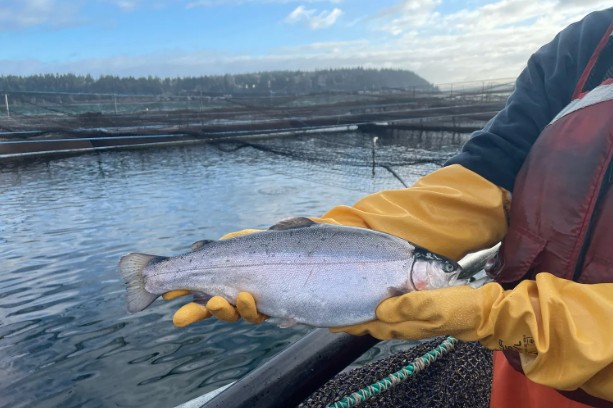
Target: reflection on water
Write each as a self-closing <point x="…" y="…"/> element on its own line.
<point x="65" y="338"/>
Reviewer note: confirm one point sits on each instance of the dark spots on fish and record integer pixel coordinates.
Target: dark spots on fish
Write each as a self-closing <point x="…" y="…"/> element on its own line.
<point x="227" y="260"/>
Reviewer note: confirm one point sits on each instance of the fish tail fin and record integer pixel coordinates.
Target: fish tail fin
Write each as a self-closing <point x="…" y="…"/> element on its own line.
<point x="131" y="269"/>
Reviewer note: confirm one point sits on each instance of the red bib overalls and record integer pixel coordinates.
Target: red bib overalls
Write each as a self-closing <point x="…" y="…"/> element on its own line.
<point x="561" y="219"/>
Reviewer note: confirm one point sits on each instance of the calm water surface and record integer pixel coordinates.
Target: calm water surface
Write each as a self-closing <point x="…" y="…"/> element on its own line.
<point x="65" y="337"/>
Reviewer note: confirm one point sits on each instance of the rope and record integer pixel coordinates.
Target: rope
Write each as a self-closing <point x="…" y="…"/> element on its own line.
<point x="398" y="377"/>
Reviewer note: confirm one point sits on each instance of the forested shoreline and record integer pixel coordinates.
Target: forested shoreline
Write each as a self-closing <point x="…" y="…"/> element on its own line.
<point x="351" y="79"/>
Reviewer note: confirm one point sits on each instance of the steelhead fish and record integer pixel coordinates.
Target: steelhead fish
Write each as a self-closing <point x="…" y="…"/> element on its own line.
<point x="298" y="271"/>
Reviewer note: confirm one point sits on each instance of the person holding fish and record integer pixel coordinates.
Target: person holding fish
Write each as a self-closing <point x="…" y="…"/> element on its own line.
<point x="549" y="313"/>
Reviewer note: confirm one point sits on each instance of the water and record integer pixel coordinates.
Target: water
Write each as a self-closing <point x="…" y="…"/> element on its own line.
<point x="65" y="338"/>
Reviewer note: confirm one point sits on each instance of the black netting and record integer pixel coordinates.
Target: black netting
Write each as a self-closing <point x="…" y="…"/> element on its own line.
<point x="363" y="141"/>
<point x="463" y="378"/>
<point x="354" y="160"/>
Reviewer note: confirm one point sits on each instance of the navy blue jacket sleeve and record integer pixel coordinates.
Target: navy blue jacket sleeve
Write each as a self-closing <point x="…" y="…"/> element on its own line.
<point x="542" y="90"/>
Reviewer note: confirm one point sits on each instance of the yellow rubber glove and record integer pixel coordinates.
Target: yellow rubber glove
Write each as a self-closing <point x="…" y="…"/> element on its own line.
<point x="452" y="211"/>
<point x="563" y="329"/>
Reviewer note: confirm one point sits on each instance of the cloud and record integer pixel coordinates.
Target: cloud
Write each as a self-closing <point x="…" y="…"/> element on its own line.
<point x="583" y="3"/>
<point x="314" y="21"/>
<point x="493" y="41"/>
<point x="51" y="14"/>
<point x="439" y="59"/>
<point x="503" y="13"/>
<point x="410" y="15"/>
<point x="59" y="14"/>
<point x="406" y="13"/>
<point x="128" y="6"/>
<point x="213" y="3"/>
<point x="323" y="46"/>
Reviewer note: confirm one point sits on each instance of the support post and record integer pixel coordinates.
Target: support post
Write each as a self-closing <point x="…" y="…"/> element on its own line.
<point x="6" y="100"/>
<point x="374" y="152"/>
<point x="200" y="113"/>
<point x="115" y="102"/>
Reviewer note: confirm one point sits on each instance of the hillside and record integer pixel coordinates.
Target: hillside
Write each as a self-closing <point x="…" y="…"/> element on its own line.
<point x="351" y="79"/>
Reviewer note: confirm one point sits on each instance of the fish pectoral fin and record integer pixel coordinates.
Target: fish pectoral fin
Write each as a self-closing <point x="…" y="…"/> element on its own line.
<point x="131" y="269"/>
<point x="289" y="322"/>
<point x="201" y="298"/>
<point x="291" y="223"/>
<point x="200" y="244"/>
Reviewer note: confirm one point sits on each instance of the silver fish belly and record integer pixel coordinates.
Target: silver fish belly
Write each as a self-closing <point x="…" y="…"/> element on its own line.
<point x="316" y="274"/>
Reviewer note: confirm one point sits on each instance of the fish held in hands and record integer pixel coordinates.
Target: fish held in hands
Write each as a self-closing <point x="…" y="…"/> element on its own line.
<point x="298" y="271"/>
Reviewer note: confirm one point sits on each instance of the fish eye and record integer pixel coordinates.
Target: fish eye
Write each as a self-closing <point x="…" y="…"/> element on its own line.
<point x="448" y="267"/>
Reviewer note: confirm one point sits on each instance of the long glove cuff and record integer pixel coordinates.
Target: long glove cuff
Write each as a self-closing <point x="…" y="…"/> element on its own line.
<point x="452" y="211"/>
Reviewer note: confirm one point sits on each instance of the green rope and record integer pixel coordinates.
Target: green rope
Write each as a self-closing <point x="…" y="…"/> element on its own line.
<point x="396" y="378"/>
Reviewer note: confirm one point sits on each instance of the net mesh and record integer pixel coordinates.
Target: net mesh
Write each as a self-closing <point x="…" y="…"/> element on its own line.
<point x="354" y="160"/>
<point x="463" y="378"/>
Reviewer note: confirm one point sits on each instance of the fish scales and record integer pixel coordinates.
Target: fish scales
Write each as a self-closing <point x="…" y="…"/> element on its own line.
<point x="300" y="272"/>
<point x="293" y="276"/>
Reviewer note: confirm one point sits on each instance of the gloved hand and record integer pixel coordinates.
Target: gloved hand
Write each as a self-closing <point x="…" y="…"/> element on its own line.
<point x="452" y="211"/>
<point x="561" y="328"/>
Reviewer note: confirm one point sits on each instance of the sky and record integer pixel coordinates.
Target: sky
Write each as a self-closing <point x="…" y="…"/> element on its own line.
<point x="441" y="40"/>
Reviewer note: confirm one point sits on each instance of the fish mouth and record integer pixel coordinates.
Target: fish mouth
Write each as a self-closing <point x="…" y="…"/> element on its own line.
<point x="475" y="262"/>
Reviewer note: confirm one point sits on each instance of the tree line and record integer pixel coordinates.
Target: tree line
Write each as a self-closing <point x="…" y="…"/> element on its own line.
<point x="349" y="79"/>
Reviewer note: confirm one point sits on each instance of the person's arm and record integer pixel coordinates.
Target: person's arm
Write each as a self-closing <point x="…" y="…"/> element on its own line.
<point x="543" y="89"/>
<point x="562" y="329"/>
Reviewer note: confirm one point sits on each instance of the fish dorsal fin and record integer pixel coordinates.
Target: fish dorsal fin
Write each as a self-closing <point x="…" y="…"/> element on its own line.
<point x="200" y="244"/>
<point x="292" y="223"/>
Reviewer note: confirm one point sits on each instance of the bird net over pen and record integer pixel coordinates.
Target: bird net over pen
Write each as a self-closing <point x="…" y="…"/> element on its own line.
<point x="354" y="160"/>
<point x="363" y="142"/>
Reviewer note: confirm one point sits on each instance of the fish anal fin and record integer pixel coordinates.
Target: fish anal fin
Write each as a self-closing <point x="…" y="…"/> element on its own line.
<point x="285" y="323"/>
<point x="393" y="291"/>
<point x="201" y="298"/>
<point x="292" y="223"/>
<point x="131" y="269"/>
